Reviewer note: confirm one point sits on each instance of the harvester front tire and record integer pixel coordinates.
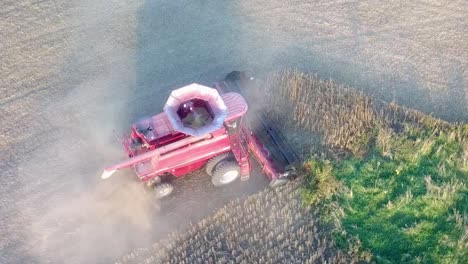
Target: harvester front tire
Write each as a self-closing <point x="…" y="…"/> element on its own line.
<point x="213" y="162"/>
<point x="162" y="190"/>
<point x="226" y="172"/>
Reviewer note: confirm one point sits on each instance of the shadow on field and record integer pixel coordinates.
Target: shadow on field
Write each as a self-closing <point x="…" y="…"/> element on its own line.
<point x="181" y="42"/>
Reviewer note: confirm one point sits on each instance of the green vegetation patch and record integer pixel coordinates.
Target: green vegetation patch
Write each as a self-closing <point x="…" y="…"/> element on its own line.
<point x="405" y="200"/>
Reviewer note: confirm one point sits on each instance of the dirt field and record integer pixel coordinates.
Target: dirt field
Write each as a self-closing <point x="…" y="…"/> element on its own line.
<point x="71" y="72"/>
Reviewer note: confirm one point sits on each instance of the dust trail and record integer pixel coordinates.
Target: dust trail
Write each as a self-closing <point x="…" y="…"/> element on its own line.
<point x="71" y="216"/>
<point x="78" y="219"/>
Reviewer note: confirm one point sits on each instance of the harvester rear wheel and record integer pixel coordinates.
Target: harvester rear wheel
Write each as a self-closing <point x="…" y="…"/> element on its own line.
<point x="227" y="171"/>
<point x="162" y="190"/>
<point x="213" y="162"/>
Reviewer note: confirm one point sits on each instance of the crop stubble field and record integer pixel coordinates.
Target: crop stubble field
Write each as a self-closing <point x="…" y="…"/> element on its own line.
<point x="269" y="227"/>
<point x="71" y="72"/>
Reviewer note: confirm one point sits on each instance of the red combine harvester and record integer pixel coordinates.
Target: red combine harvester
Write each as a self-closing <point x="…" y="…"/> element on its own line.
<point x="204" y="126"/>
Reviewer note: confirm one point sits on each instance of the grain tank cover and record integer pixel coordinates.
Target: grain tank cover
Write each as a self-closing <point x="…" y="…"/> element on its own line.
<point x="195" y="109"/>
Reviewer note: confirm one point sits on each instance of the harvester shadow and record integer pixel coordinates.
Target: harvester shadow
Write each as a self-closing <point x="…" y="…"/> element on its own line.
<point x="180" y="43"/>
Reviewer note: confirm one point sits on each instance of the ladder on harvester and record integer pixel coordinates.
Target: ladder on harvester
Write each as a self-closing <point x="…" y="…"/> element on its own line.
<point x="238" y="143"/>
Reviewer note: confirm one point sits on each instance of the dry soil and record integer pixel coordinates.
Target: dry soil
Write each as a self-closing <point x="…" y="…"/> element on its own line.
<point x="71" y="72"/>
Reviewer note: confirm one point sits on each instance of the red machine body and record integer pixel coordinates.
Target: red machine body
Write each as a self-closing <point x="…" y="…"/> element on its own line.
<point x="156" y="149"/>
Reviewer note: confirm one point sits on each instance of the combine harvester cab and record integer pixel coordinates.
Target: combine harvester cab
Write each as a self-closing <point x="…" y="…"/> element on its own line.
<point x="199" y="126"/>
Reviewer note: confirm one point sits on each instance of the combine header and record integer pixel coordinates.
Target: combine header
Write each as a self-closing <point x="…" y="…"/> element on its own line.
<point x="203" y="126"/>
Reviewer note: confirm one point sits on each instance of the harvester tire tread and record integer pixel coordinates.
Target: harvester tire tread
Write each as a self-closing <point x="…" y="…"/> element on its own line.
<point x="211" y="163"/>
<point x="162" y="190"/>
<point x="226" y="172"/>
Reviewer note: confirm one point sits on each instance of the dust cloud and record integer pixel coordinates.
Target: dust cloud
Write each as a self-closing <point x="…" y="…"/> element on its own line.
<point x="72" y="216"/>
<point x="81" y="219"/>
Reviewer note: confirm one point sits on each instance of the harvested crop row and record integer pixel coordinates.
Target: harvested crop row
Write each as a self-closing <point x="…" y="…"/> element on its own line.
<point x="268" y="227"/>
